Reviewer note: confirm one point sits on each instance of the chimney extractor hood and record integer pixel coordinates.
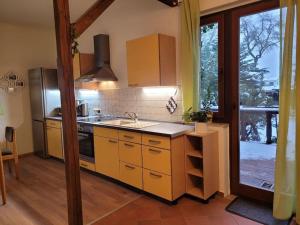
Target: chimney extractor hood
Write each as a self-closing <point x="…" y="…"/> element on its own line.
<point x="102" y="70"/>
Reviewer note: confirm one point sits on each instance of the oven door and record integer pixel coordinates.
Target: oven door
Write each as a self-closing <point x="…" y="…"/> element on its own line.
<point x="86" y="144"/>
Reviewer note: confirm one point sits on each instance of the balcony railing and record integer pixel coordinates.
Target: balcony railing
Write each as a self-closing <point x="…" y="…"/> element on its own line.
<point x="269" y="112"/>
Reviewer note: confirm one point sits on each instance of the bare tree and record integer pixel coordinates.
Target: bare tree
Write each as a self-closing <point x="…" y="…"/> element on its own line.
<point x="258" y="35"/>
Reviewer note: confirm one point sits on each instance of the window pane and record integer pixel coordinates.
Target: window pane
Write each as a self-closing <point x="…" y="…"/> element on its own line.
<point x="259" y="97"/>
<point x="209" y="95"/>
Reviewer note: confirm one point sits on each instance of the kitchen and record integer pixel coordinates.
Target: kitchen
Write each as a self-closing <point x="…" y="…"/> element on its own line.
<point x="106" y="140"/>
<point x="114" y="98"/>
<point x="140" y="161"/>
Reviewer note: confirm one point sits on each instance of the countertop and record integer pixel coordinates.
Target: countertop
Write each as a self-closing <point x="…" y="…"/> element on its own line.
<point x="163" y="128"/>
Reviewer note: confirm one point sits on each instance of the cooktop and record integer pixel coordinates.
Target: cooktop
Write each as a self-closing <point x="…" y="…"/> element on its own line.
<point x="93" y="119"/>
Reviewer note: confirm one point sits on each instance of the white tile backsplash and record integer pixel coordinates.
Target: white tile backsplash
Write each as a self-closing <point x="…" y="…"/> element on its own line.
<point x="147" y="104"/>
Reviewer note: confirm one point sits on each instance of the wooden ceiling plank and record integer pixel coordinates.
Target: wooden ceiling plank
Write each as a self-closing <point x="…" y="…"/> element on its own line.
<point x="90" y="16"/>
<point x="66" y="85"/>
<point x="171" y="3"/>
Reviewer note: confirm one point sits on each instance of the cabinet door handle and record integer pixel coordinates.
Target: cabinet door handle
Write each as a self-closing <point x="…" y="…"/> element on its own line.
<point x="155" y="175"/>
<point x="130" y="167"/>
<point x="112" y="141"/>
<point x="154" y="150"/>
<point x="154" y="141"/>
<point x="128" y="145"/>
<point x="84" y="165"/>
<point x="127" y="136"/>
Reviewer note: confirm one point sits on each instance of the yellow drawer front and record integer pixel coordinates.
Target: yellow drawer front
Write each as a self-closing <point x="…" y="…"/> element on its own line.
<point x="53" y="123"/>
<point x="107" y="156"/>
<point x="130" y="136"/>
<point x="156" y="141"/>
<point x="157" y="159"/>
<point x="87" y="165"/>
<point x="131" y="175"/>
<point x="130" y="153"/>
<point x="157" y="184"/>
<point x="106" y="132"/>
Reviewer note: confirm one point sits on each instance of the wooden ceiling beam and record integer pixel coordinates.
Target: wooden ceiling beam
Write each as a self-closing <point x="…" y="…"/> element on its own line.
<point x="66" y="86"/>
<point x="171" y="3"/>
<point x="90" y="16"/>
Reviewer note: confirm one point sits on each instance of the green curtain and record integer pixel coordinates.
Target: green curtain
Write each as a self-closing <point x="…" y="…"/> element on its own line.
<point x="287" y="168"/>
<point x="190" y="51"/>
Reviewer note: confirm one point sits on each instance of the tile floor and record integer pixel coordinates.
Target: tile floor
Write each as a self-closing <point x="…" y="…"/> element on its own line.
<point x="148" y="211"/>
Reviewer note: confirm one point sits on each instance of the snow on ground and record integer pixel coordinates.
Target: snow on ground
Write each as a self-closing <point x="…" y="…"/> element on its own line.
<point x="257" y="151"/>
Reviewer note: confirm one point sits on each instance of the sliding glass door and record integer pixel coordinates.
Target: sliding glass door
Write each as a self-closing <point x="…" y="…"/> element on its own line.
<point x="255" y="67"/>
<point x="258" y="97"/>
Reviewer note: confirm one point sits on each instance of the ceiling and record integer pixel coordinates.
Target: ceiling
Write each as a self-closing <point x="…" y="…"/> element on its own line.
<point x="38" y="12"/>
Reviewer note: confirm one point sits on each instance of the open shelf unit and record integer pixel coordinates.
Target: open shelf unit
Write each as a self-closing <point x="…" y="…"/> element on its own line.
<point x="201" y="163"/>
<point x="195" y="186"/>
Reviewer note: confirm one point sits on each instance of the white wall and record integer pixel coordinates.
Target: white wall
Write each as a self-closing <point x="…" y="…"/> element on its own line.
<point x="125" y="20"/>
<point x="209" y="6"/>
<point x="22" y="48"/>
<point x="128" y="19"/>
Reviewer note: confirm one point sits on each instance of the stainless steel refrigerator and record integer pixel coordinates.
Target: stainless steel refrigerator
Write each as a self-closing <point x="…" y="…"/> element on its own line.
<point x="44" y="99"/>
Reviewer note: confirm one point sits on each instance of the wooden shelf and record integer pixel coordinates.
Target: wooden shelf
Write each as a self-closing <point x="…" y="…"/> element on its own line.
<point x="195" y="172"/>
<point x="195" y="153"/>
<point x="202" y="134"/>
<point x="197" y="192"/>
<point x="201" y="156"/>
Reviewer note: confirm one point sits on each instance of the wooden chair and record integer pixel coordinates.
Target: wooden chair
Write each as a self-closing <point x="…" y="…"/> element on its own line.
<point x="9" y="151"/>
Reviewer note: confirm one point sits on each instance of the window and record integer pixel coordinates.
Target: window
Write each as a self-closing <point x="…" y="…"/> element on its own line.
<point x="211" y="65"/>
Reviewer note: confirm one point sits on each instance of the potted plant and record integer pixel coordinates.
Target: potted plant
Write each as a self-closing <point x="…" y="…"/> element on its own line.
<point x="200" y="118"/>
<point x="187" y="116"/>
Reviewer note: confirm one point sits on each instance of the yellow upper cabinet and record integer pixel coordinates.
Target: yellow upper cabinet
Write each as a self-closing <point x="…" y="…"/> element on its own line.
<point x="151" y="61"/>
<point x="82" y="64"/>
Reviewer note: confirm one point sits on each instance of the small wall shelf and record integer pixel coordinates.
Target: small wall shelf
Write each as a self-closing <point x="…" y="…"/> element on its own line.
<point x="202" y="163"/>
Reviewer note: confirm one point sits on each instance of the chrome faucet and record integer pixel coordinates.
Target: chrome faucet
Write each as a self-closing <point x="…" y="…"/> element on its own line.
<point x="132" y="116"/>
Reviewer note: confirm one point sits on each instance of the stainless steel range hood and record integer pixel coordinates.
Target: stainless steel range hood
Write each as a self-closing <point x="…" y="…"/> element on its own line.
<point x="102" y="70"/>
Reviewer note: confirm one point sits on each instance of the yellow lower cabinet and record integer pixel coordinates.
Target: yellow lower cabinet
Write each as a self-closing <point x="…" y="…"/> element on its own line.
<point x="87" y="165"/>
<point x="131" y="175"/>
<point x="130" y="136"/>
<point x="106" y="132"/>
<point x="157" y="159"/>
<point x="107" y="156"/>
<point x="54" y="142"/>
<point x="130" y="152"/>
<point x="157" y="184"/>
<point x="156" y="141"/>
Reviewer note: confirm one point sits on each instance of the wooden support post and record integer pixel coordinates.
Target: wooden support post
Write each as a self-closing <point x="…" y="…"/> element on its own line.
<point x="90" y="16"/>
<point x="66" y="85"/>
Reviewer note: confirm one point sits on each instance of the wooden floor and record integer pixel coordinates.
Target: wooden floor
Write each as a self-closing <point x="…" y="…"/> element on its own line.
<point x="39" y="197"/>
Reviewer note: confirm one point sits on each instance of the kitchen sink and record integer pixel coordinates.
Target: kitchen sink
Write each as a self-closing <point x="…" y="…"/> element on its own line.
<point x="128" y="123"/>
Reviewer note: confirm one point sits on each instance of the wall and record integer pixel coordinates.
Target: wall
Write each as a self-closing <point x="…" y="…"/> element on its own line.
<point x="22" y="48"/>
<point x="211" y="6"/>
<point x="129" y="19"/>
<point x="126" y="20"/>
<point x="148" y="103"/>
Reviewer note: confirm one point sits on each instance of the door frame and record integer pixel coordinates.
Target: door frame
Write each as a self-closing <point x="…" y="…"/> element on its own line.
<point x="219" y="18"/>
<point x="235" y="185"/>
